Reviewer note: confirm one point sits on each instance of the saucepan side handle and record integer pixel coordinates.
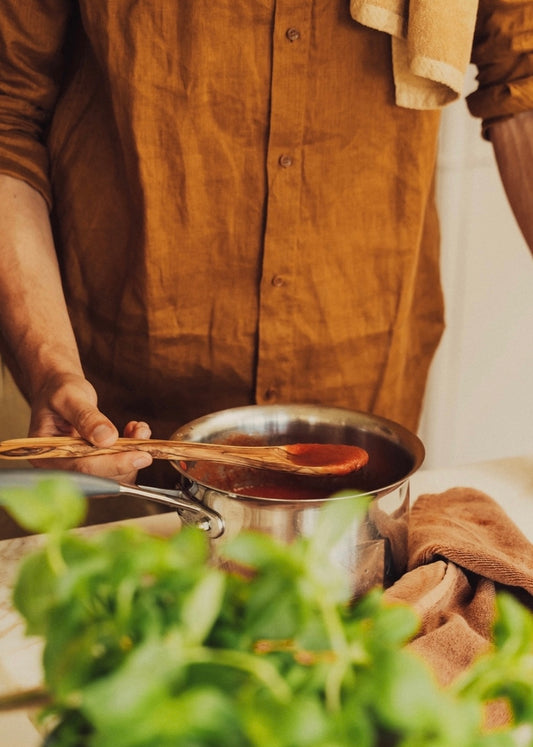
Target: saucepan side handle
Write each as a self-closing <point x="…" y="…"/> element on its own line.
<point x="89" y="485"/>
<point x="195" y="513"/>
<point x="190" y="511"/>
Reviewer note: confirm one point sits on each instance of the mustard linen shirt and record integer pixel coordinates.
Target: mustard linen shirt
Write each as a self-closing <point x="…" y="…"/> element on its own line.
<point x="241" y="212"/>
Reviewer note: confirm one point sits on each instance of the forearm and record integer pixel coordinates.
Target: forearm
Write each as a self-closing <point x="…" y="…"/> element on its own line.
<point x="33" y="314"/>
<point x="512" y="140"/>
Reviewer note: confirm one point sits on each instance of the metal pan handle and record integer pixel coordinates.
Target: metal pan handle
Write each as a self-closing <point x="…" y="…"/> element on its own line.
<point x="193" y="512"/>
<point x="190" y="511"/>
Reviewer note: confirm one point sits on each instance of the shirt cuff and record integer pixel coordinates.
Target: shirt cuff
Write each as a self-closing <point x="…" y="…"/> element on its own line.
<point x="503" y="54"/>
<point x="25" y="159"/>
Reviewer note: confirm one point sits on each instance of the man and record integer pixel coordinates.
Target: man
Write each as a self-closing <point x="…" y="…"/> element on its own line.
<point x="205" y="205"/>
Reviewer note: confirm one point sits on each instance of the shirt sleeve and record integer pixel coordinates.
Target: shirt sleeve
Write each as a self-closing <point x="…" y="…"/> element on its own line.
<point x="32" y="37"/>
<point x="503" y="54"/>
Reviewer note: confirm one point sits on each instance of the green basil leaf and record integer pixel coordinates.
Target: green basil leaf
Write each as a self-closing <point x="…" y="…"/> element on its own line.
<point x="201" y="606"/>
<point x="54" y="506"/>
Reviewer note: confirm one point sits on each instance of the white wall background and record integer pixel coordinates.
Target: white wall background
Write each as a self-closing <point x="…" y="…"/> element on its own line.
<point x="479" y="402"/>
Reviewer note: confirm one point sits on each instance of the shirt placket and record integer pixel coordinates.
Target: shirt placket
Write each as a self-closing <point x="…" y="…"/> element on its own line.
<point x="277" y="302"/>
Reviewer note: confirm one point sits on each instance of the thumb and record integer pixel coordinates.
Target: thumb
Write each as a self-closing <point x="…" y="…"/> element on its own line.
<point x="102" y="432"/>
<point x="78" y="407"/>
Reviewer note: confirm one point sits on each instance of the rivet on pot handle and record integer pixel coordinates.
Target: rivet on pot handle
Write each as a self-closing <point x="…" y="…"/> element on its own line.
<point x="192" y="513"/>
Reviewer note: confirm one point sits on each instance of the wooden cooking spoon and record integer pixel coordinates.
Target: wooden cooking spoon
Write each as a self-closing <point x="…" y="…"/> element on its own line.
<point x="302" y="458"/>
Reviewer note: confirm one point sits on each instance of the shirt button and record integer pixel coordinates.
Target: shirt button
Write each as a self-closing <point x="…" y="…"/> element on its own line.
<point x="285" y="161"/>
<point x="271" y="394"/>
<point x="277" y="281"/>
<point x="292" y="34"/>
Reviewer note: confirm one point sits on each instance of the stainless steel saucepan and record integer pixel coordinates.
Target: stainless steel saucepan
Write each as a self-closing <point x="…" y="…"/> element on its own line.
<point x="224" y="500"/>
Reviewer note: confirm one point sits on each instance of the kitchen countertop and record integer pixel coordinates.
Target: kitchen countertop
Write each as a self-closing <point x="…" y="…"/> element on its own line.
<point x="508" y="481"/>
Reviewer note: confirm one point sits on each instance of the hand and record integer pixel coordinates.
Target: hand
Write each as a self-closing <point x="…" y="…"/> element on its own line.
<point x="67" y="406"/>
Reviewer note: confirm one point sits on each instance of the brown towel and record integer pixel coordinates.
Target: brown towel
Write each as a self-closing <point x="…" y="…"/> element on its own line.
<point x="431" y="45"/>
<point x="462" y="545"/>
<point x="469" y="528"/>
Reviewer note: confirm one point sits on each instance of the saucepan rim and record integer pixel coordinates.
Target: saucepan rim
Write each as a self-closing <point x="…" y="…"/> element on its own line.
<point x="208" y="426"/>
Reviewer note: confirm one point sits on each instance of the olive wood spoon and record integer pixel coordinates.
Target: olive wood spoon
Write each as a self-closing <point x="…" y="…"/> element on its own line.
<point x="301" y="458"/>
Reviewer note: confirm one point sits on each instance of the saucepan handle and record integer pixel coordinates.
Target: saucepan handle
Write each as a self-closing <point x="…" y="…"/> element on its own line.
<point x="190" y="511"/>
<point x="89" y="485"/>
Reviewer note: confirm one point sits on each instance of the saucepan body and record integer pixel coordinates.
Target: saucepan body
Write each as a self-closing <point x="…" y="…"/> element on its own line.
<point x="286" y="506"/>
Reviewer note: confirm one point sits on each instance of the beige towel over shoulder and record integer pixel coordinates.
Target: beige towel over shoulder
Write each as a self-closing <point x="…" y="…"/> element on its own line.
<point x="431" y="45"/>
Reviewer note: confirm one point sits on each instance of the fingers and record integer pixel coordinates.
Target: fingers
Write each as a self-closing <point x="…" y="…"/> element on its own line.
<point x="122" y="467"/>
<point x="119" y="467"/>
<point x="68" y="406"/>
<point x="76" y="402"/>
<point x="137" y="429"/>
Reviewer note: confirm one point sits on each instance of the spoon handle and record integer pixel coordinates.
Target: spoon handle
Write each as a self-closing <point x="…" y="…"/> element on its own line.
<point x="68" y="446"/>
